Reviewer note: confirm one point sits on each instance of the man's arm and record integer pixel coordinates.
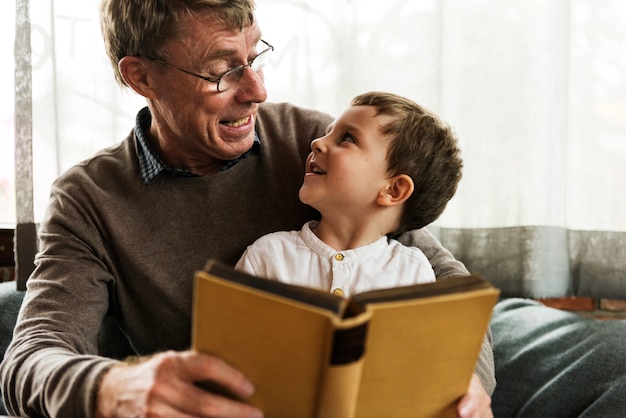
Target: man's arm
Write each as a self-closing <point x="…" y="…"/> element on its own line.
<point x="441" y="259"/>
<point x="52" y="367"/>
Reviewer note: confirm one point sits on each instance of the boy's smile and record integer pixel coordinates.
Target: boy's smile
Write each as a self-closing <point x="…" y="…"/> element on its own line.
<point x="314" y="169"/>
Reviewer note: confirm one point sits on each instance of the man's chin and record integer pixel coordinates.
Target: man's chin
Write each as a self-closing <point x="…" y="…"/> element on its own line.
<point x="240" y="148"/>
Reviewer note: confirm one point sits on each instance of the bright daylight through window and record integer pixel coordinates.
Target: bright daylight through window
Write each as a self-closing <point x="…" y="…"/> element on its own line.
<point x="7" y="168"/>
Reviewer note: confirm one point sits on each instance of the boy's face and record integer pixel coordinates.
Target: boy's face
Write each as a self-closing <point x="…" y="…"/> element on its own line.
<point x="348" y="166"/>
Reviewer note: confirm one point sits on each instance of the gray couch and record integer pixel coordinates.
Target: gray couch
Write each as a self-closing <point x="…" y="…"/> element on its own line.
<point x="549" y="363"/>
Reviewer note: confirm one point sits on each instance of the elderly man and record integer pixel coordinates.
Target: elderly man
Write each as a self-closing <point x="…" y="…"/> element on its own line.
<point x="206" y="170"/>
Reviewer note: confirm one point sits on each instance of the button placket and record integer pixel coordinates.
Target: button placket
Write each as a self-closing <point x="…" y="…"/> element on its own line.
<point x="341" y="276"/>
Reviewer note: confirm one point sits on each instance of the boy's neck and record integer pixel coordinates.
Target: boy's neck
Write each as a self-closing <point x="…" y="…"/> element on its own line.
<point x="344" y="234"/>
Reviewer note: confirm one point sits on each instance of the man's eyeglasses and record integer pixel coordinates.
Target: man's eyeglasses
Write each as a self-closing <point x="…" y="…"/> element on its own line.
<point x="232" y="76"/>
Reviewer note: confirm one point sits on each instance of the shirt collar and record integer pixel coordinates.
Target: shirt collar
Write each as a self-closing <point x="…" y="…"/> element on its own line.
<point x="150" y="165"/>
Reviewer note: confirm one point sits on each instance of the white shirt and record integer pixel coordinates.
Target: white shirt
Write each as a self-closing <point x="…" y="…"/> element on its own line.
<point x="301" y="258"/>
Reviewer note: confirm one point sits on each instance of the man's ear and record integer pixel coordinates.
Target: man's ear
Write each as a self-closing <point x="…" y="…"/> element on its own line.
<point x="399" y="189"/>
<point x="136" y="74"/>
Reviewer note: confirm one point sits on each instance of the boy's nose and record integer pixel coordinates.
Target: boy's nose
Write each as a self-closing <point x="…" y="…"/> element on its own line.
<point x="317" y="145"/>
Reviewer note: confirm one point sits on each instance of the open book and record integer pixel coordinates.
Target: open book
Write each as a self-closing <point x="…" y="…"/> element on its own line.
<point x="400" y="352"/>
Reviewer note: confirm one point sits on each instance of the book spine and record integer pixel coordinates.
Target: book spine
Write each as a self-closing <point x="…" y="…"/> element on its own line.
<point x="339" y="387"/>
<point x="339" y="391"/>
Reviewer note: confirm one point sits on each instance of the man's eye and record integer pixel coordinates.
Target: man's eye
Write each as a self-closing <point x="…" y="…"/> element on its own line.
<point x="215" y="74"/>
<point x="216" y="70"/>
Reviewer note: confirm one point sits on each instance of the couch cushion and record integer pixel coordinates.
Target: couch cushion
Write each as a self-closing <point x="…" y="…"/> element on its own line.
<point x="10" y="302"/>
<point x="552" y="363"/>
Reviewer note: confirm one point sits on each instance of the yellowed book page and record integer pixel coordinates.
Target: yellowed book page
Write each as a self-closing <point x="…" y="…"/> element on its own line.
<point x="419" y="359"/>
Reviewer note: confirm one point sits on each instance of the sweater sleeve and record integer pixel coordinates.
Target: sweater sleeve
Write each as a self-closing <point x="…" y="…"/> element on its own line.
<point x="445" y="265"/>
<point x="52" y="367"/>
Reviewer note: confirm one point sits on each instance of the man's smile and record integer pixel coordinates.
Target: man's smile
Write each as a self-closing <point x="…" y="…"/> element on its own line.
<point x="237" y="122"/>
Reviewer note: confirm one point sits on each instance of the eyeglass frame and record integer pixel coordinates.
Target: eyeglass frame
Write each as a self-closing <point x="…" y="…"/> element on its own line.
<point x="239" y="68"/>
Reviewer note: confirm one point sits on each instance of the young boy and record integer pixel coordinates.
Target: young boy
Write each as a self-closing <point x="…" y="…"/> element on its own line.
<point x="387" y="165"/>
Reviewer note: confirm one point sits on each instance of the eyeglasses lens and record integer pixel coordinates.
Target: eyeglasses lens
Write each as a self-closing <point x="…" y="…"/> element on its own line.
<point x="231" y="78"/>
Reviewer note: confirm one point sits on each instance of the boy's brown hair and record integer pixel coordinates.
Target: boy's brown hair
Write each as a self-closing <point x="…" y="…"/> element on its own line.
<point x="423" y="147"/>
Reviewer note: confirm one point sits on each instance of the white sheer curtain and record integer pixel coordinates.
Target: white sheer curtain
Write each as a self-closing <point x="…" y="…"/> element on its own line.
<point x="536" y="90"/>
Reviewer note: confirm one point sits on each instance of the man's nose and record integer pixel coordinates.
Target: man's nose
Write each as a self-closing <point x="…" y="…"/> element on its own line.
<point x="251" y="86"/>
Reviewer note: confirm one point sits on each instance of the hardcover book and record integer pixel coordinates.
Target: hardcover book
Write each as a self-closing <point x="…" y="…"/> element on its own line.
<point x="400" y="352"/>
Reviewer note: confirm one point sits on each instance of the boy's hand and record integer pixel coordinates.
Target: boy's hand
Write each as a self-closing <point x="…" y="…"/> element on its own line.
<point x="476" y="403"/>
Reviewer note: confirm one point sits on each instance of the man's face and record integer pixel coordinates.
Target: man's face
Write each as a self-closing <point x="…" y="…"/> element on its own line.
<point x="195" y="126"/>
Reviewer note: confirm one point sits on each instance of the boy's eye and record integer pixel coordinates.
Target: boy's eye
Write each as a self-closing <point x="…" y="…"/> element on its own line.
<point x="348" y="138"/>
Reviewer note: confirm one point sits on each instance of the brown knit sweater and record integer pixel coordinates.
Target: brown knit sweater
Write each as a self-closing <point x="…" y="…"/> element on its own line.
<point x="111" y="243"/>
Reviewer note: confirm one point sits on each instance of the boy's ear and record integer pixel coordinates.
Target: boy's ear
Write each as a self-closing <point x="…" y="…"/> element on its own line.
<point x="135" y="72"/>
<point x="399" y="189"/>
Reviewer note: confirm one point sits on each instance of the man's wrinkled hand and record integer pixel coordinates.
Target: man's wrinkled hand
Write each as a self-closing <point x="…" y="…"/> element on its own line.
<point x="164" y="386"/>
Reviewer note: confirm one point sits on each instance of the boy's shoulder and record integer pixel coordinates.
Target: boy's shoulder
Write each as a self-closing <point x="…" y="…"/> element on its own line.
<point x="276" y="239"/>
<point x="406" y="250"/>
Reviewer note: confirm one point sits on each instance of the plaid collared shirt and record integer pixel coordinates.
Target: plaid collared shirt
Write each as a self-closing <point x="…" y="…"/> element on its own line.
<point x="151" y="165"/>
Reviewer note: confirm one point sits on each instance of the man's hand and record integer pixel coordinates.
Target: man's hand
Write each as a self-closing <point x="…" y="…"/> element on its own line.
<point x="476" y="403"/>
<point x="163" y="386"/>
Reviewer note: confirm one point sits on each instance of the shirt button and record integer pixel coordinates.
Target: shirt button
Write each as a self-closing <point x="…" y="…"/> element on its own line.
<point x="338" y="292"/>
<point x="339" y="257"/>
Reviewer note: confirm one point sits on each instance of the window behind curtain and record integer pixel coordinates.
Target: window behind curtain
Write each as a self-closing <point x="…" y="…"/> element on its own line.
<point x="7" y="167"/>
<point x="536" y="90"/>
